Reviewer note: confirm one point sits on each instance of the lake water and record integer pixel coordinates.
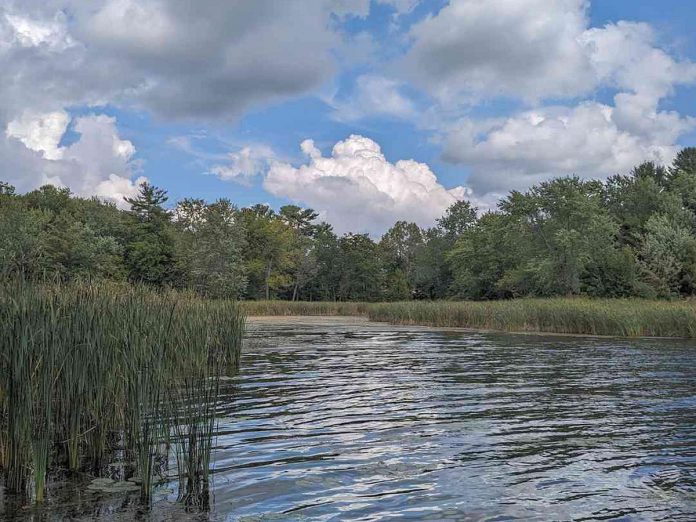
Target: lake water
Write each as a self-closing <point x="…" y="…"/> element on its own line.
<point x="340" y="419"/>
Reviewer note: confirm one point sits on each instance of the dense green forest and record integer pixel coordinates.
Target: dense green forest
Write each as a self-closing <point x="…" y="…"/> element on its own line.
<point x="631" y="235"/>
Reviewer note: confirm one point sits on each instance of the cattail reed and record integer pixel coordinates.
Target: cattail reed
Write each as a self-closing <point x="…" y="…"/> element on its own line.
<point x="92" y="374"/>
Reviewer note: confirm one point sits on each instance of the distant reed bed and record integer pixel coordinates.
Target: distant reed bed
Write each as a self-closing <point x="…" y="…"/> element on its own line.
<point x="305" y="308"/>
<point x="614" y="317"/>
<point x="94" y="375"/>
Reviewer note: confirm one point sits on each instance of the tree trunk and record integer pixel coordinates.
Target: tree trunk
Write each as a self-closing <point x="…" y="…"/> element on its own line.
<point x="294" y="290"/>
<point x="268" y="276"/>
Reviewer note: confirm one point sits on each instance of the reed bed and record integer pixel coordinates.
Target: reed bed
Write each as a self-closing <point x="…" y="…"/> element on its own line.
<point x="92" y="375"/>
<point x="260" y="308"/>
<point x="612" y="317"/>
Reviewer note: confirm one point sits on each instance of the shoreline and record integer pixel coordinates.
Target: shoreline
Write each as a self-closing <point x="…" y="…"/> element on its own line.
<point x="621" y="318"/>
<point x="363" y="320"/>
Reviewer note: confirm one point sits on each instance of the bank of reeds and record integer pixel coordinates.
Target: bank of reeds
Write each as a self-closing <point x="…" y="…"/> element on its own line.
<point x="613" y="317"/>
<point x="95" y="374"/>
<point x="260" y="308"/>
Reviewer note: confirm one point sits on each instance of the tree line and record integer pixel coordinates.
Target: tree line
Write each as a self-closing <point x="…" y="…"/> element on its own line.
<point x="631" y="235"/>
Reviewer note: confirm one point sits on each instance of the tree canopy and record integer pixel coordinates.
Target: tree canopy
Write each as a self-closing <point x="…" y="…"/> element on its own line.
<point x="631" y="235"/>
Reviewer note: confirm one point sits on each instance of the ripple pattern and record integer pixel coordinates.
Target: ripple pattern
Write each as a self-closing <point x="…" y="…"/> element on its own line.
<point x="363" y="421"/>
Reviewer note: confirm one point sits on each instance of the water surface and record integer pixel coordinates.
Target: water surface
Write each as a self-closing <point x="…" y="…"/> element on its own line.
<point x="340" y="419"/>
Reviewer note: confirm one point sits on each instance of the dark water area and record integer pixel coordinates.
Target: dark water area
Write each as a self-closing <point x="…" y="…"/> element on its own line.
<point x="347" y="420"/>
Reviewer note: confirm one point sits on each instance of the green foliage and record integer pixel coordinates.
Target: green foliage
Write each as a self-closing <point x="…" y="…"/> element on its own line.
<point x="631" y="235"/>
<point x="360" y="269"/>
<point x="210" y="241"/>
<point x="22" y="237"/>
<point x="150" y="245"/>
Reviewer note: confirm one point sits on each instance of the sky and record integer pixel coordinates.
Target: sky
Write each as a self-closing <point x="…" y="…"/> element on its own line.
<point x="367" y="111"/>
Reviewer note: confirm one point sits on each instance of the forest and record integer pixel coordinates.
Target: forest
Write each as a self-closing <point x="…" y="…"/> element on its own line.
<point x="632" y="235"/>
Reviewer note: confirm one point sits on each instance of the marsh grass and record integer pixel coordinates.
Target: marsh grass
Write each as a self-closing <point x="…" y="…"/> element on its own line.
<point x="612" y="317"/>
<point x="95" y="373"/>
<point x="271" y="308"/>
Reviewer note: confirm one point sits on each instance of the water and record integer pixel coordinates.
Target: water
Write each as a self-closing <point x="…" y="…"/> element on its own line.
<point x="348" y="420"/>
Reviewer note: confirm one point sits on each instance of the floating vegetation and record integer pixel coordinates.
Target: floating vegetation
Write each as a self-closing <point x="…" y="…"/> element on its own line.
<point x="574" y="315"/>
<point x="97" y="375"/>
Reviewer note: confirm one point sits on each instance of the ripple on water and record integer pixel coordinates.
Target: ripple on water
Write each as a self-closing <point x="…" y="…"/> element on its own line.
<point x="371" y="422"/>
<point x="363" y="421"/>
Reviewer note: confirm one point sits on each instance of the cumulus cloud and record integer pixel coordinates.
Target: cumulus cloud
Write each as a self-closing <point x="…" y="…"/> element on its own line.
<point x="534" y="49"/>
<point x="40" y="132"/>
<point x="591" y="140"/>
<point x="207" y="59"/>
<point x="99" y="163"/>
<point x="245" y="164"/>
<point x="374" y="95"/>
<point x="524" y="48"/>
<point x="357" y="189"/>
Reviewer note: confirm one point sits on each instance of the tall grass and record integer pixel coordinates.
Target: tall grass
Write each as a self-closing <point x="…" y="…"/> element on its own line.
<point x="91" y="374"/>
<point x="614" y="317"/>
<point x="271" y="308"/>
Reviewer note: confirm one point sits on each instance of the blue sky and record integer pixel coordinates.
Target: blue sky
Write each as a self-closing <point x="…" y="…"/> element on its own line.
<point x="218" y="100"/>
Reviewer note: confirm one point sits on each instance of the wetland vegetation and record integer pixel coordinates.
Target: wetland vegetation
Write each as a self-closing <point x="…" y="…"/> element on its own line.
<point x="97" y="375"/>
<point x="584" y="316"/>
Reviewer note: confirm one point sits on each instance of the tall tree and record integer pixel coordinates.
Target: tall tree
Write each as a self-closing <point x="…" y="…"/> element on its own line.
<point x="360" y="268"/>
<point x="399" y="248"/>
<point x="150" y="247"/>
<point x="210" y="244"/>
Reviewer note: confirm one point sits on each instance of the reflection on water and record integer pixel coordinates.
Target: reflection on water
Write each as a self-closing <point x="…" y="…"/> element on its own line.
<point x="357" y="421"/>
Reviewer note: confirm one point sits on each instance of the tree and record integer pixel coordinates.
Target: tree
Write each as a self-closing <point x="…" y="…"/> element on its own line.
<point x="210" y="245"/>
<point x="484" y="254"/>
<point x="398" y="248"/>
<point x="360" y="270"/>
<point x="21" y="236"/>
<point x="458" y="218"/>
<point x="150" y="247"/>
<point x="301" y="222"/>
<point x="668" y="257"/>
<point x="299" y="219"/>
<point x="268" y="252"/>
<point x="632" y="200"/>
<point x="324" y="285"/>
<point x="684" y="162"/>
<point x="6" y="189"/>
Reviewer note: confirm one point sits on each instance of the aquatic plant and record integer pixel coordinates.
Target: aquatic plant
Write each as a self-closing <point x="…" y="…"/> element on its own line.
<point x="573" y="315"/>
<point x="93" y="374"/>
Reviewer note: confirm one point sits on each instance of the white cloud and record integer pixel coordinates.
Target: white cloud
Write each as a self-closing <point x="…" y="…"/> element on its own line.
<point x="117" y="188"/>
<point x="591" y="140"/>
<point x="245" y="164"/>
<point x="207" y="59"/>
<point x="520" y="48"/>
<point x="49" y="34"/>
<point x="357" y="189"/>
<point x="99" y="163"/>
<point x="40" y="132"/>
<point x="374" y="95"/>
<point x="212" y="59"/>
<point x="624" y="55"/>
<point x="535" y="49"/>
